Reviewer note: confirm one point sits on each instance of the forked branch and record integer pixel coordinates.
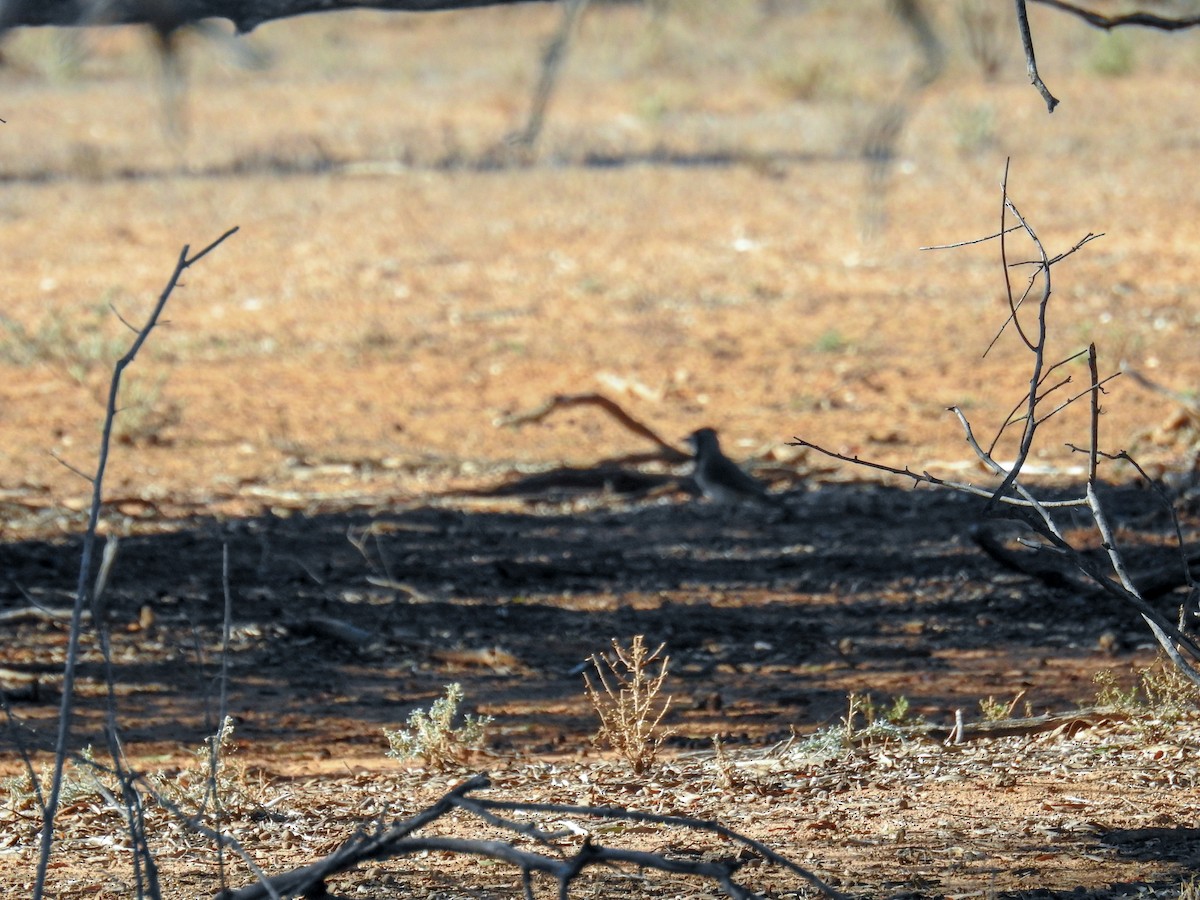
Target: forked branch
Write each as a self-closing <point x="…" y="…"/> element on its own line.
<point x="1011" y="493"/>
<point x="83" y="596"/>
<point x="557" y="860"/>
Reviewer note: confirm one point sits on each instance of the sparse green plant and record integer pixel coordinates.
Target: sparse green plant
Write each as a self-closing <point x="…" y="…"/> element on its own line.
<point x="831" y="341"/>
<point x="1113" y="55"/>
<point x="143" y="415"/>
<point x="993" y="710"/>
<point x="974" y="128"/>
<point x="880" y="723"/>
<point x="77" y="344"/>
<point x="630" y="702"/>
<point x="900" y="712"/>
<point x="432" y="737"/>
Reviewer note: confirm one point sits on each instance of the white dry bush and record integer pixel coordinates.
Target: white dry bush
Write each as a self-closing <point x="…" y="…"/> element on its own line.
<point x="432" y="737"/>
<point x="214" y="786"/>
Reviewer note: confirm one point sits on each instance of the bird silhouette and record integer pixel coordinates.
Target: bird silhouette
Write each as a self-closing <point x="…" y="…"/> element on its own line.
<point x="723" y="481"/>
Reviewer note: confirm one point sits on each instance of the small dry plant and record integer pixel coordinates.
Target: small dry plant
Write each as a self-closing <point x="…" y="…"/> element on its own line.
<point x="1161" y="695"/>
<point x="630" y="702"/>
<point x="995" y="710"/>
<point x="81" y="781"/>
<point x="984" y="28"/>
<point x="214" y="786"/>
<point x="431" y="736"/>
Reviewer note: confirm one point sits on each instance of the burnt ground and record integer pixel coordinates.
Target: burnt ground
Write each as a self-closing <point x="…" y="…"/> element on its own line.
<point x="769" y="624"/>
<point x="343" y="623"/>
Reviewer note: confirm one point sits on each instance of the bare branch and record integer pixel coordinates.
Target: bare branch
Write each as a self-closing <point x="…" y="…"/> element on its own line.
<point x="1099" y="20"/>
<point x="82" y="596"/>
<point x="927" y="478"/>
<point x="1030" y="61"/>
<point x="1011" y="493"/>
<point x="563" y="401"/>
<point x="970" y="241"/>
<point x="1143" y="19"/>
<point x="168" y="15"/>
<point x="552" y="63"/>
<point x="401" y="840"/>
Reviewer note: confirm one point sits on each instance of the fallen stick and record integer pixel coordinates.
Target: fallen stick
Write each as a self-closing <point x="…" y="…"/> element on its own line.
<point x="564" y="401"/>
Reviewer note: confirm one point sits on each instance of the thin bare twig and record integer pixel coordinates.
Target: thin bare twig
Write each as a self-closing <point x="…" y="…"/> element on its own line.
<point x="1094" y="443"/>
<point x="927" y="478"/>
<point x="82" y="597"/>
<point x="1030" y="61"/>
<point x="563" y="401"/>
<point x="1097" y="387"/>
<point x="970" y="241"/>
<point x="130" y="804"/>
<point x="1143" y="19"/>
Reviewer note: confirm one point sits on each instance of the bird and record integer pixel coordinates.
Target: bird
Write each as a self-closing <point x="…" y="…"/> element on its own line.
<point x="720" y="479"/>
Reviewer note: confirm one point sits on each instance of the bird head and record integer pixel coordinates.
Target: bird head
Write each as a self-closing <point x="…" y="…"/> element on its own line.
<point x="703" y="438"/>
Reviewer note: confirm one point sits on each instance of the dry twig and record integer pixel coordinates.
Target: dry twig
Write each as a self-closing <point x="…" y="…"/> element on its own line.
<point x="83" y="598"/>
<point x="1011" y="494"/>
<point x="400" y="839"/>
<point x="564" y="401"/>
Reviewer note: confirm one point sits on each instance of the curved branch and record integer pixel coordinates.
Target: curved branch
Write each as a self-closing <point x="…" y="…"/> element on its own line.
<point x="167" y="16"/>
<point x="1143" y="19"/>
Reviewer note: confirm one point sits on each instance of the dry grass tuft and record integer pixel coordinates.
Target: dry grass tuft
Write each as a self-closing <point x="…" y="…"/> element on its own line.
<point x="630" y="701"/>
